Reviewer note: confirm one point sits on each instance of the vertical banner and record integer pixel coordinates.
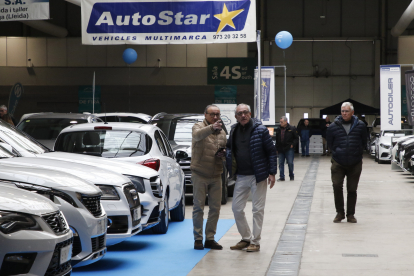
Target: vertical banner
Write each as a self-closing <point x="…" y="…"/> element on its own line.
<point x="15" y="94"/>
<point x="86" y="99"/>
<point x="267" y="99"/>
<point x="390" y="81"/>
<point x="409" y="86"/>
<point x="12" y="10"/>
<point x="227" y="114"/>
<point x="225" y="94"/>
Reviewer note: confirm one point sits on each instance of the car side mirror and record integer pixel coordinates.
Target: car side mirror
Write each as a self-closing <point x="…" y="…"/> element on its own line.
<point x="180" y="155"/>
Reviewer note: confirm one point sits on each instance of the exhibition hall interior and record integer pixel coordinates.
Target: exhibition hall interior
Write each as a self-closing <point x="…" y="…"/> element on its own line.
<point x="206" y="137"/>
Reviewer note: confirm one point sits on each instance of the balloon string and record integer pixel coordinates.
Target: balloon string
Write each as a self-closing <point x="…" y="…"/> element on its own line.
<point x="129" y="89"/>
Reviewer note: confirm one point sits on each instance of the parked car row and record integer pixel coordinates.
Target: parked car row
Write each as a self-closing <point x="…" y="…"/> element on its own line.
<point x="402" y="154"/>
<point x="76" y="201"/>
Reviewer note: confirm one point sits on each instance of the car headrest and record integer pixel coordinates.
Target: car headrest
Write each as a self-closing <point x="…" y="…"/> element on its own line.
<point x="91" y="139"/>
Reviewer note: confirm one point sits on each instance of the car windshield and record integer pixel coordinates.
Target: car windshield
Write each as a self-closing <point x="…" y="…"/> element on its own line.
<point x="398" y="133"/>
<point x="47" y="128"/>
<point x="110" y="144"/>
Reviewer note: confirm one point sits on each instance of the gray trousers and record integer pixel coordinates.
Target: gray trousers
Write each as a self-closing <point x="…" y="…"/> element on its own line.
<point x="245" y="184"/>
<point x="201" y="187"/>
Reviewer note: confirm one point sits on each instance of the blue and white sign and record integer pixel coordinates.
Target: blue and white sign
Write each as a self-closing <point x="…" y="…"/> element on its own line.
<point x="168" y="22"/>
<point x="12" y="10"/>
<point x="390" y="80"/>
<point x="15" y="94"/>
<point x="267" y="98"/>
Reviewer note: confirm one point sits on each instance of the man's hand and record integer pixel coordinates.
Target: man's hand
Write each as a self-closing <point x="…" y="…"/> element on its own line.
<point x="217" y="125"/>
<point x="221" y="154"/>
<point x="271" y="181"/>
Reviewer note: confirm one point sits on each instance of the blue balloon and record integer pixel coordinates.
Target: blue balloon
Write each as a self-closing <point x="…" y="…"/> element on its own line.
<point x="284" y="39"/>
<point x="129" y="56"/>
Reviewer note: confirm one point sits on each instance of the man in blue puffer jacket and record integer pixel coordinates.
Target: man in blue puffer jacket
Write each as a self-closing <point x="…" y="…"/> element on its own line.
<point x="251" y="155"/>
<point x="346" y="137"/>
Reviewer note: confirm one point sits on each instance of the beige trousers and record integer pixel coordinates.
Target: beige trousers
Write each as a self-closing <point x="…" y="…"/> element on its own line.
<point x="203" y="186"/>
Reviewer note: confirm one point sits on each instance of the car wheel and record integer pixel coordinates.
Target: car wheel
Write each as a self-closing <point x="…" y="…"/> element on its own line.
<point x="224" y="183"/>
<point x="178" y="214"/>
<point x="162" y="227"/>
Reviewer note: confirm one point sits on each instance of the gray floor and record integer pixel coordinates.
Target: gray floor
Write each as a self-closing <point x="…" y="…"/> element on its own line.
<point x="381" y="243"/>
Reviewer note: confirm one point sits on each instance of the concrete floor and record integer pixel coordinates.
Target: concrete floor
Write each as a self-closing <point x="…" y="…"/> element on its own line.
<point x="381" y="243"/>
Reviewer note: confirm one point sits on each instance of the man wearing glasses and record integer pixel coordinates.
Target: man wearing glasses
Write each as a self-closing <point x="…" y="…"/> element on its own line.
<point x="207" y="154"/>
<point x="347" y="138"/>
<point x="251" y="156"/>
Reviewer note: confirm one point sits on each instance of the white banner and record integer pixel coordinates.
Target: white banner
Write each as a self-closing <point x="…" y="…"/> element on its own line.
<point x="106" y="22"/>
<point x="390" y="81"/>
<point x="267" y="105"/>
<point x="227" y="112"/>
<point x="13" y="10"/>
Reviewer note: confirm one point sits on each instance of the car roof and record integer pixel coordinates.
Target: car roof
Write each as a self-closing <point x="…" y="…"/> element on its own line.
<point x="114" y="125"/>
<point x="188" y="116"/>
<point x="143" y="116"/>
<point x="52" y="115"/>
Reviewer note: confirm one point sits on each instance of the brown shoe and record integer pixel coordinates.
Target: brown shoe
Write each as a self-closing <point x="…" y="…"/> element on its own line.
<point x="198" y="245"/>
<point x="212" y="245"/>
<point x="240" y="245"/>
<point x="253" y="248"/>
<point x="351" y="219"/>
<point x="339" y="217"/>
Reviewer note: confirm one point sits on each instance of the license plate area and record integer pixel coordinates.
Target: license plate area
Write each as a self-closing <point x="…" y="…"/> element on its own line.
<point x="65" y="254"/>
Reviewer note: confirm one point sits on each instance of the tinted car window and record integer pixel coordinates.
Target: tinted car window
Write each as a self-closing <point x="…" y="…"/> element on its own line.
<point x="129" y="119"/>
<point x="160" y="143"/>
<point x="47" y="129"/>
<point x="167" y="145"/>
<point x="109" y="119"/>
<point x="13" y="135"/>
<point x="111" y="144"/>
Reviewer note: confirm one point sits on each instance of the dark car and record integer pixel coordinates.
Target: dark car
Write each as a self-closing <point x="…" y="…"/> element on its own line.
<point x="178" y="129"/>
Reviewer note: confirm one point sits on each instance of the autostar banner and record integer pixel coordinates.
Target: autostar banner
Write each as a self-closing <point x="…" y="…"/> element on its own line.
<point x="409" y="88"/>
<point x="12" y="10"/>
<point x="390" y="80"/>
<point x="267" y="99"/>
<point x="168" y="22"/>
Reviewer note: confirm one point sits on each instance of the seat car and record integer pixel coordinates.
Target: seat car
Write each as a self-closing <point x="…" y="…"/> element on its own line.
<point x="178" y="130"/>
<point x="383" y="143"/>
<point x="119" y="199"/>
<point x="35" y="238"/>
<point x="45" y="127"/>
<point x="152" y="202"/>
<point x="136" y="143"/>
<point x="78" y="200"/>
<point x="126" y="117"/>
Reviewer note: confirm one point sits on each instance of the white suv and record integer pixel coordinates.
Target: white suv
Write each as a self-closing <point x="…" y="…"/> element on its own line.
<point x="34" y="235"/>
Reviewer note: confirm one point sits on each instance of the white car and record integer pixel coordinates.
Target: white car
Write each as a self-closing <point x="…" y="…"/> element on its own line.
<point x="125" y="117"/>
<point x="136" y="143"/>
<point x="78" y="200"/>
<point x="35" y="237"/>
<point x="120" y="199"/>
<point x="152" y="200"/>
<point x="383" y="143"/>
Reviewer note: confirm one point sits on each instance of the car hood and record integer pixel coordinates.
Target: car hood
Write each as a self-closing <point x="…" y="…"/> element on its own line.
<point x="92" y="174"/>
<point x="121" y="167"/>
<point x="18" y="200"/>
<point x="47" y="178"/>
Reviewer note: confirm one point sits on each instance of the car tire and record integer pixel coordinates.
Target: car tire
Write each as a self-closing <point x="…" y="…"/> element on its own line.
<point x="162" y="227"/>
<point x="178" y="214"/>
<point x="224" y="185"/>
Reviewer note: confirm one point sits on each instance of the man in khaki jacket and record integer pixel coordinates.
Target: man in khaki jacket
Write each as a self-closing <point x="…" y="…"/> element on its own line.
<point x="206" y="170"/>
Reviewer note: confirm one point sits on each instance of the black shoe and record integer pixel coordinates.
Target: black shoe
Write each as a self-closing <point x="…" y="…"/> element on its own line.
<point x="198" y="245"/>
<point x="292" y="178"/>
<point x="307" y="155"/>
<point x="213" y="245"/>
<point x="280" y="179"/>
<point x="339" y="217"/>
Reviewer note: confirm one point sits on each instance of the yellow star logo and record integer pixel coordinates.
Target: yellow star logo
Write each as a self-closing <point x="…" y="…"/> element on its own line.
<point x="264" y="83"/>
<point x="226" y="18"/>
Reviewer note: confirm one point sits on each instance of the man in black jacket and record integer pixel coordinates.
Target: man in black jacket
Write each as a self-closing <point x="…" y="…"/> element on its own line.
<point x="346" y="137"/>
<point x="286" y="140"/>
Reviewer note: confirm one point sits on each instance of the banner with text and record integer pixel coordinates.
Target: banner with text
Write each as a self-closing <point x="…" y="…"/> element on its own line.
<point x="85" y="96"/>
<point x="390" y="81"/>
<point x="235" y="71"/>
<point x="13" y="10"/>
<point x="15" y="94"/>
<point x="106" y="22"/>
<point x="409" y="86"/>
<point x="267" y="99"/>
<point x="225" y="94"/>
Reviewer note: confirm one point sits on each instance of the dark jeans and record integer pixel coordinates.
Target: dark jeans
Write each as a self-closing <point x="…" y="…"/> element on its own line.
<point x="305" y="147"/>
<point x="352" y="173"/>
<point x="286" y="155"/>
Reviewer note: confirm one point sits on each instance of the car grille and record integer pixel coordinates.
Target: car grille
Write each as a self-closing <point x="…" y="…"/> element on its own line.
<point x="76" y="247"/>
<point x="54" y="268"/>
<point x="98" y="243"/>
<point x="119" y="225"/>
<point x="57" y="223"/>
<point x="93" y="204"/>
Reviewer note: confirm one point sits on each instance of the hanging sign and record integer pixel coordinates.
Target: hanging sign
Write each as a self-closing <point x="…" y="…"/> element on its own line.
<point x="106" y="22"/>
<point x="13" y="10"/>
<point x="267" y="104"/>
<point x="390" y="80"/>
<point x="225" y="94"/>
<point x="15" y="94"/>
<point x="86" y="98"/>
<point x="227" y="114"/>
<point x="409" y="87"/>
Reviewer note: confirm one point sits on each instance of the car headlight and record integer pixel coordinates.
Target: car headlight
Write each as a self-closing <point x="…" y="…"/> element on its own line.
<point x="138" y="183"/>
<point x="13" y="222"/>
<point x="47" y="192"/>
<point x="385" y="146"/>
<point x="109" y="192"/>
